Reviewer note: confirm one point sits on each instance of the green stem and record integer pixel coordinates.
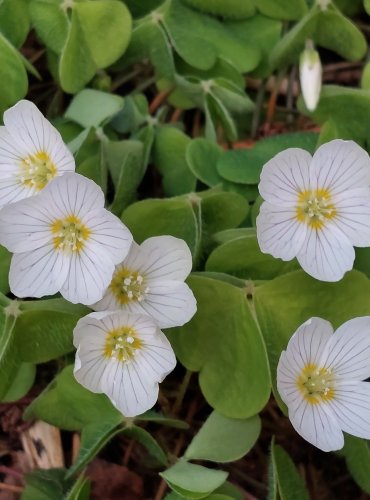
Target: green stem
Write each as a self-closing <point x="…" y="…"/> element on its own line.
<point x="182" y="391"/>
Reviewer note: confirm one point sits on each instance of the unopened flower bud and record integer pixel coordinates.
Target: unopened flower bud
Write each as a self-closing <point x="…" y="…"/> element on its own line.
<point x="310" y="73"/>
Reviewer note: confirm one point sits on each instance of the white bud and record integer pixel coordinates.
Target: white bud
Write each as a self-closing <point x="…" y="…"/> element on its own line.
<point x="310" y="73"/>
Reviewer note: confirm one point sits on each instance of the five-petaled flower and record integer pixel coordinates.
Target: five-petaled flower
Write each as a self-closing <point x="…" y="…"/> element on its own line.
<point x="320" y="378"/>
<point x="124" y="356"/>
<point x="32" y="153"/>
<point x="151" y="281"/>
<point x="316" y="209"/>
<point x="63" y="240"/>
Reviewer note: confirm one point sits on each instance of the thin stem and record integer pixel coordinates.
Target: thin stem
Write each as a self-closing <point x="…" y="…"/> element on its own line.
<point x="181" y="393"/>
<point x="256" y="119"/>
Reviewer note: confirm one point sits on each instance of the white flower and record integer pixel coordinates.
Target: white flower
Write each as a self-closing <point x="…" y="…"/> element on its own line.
<point x="310" y="75"/>
<point x="316" y="208"/>
<point x="63" y="240"/>
<point x="151" y="281"/>
<point x="124" y="356"/>
<point x="32" y="153"/>
<point x="319" y="378"/>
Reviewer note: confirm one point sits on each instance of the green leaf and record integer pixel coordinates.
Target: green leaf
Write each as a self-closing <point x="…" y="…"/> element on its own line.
<point x="223" y="343"/>
<point x="14" y="21"/>
<point x="290" y="484"/>
<point x="5" y="258"/>
<point x="50" y="23"/>
<point x="336" y="32"/>
<point x="365" y="78"/>
<point x="80" y="490"/>
<point x="288" y="49"/>
<point x="112" y="21"/>
<point x="22" y="382"/>
<point x="367" y="6"/>
<point x="202" y="156"/>
<point x="283" y="9"/>
<point x="193" y="481"/>
<point x="153" y="416"/>
<point x="222" y="210"/>
<point x="87" y="51"/>
<point x="149" y="41"/>
<point x="200" y="39"/>
<point x="169" y="158"/>
<point x="44" y="484"/>
<point x="156" y="217"/>
<point x="286" y="302"/>
<point x="147" y="440"/>
<point x="348" y="108"/>
<point x="244" y="165"/>
<point x="242" y="257"/>
<point x="262" y="33"/>
<point x="9" y="360"/>
<point x="223" y="439"/>
<point x="126" y="165"/>
<point x="357" y="454"/>
<point x="230" y="9"/>
<point x="13" y="72"/>
<point x="68" y="405"/>
<point x="90" y="108"/>
<point x="44" y="329"/>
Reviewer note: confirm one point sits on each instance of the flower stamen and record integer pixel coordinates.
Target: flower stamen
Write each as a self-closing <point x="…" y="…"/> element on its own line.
<point x="315" y="207"/>
<point x="316" y="384"/>
<point x="70" y="234"/>
<point x="122" y="344"/>
<point x="128" y="285"/>
<point x="37" y="170"/>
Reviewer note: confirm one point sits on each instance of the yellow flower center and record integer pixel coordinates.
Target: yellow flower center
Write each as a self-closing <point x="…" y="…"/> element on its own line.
<point x="37" y="170"/>
<point x="128" y="285"/>
<point x="70" y="234"/>
<point x="122" y="344"/>
<point x="315" y="207"/>
<point x="316" y="384"/>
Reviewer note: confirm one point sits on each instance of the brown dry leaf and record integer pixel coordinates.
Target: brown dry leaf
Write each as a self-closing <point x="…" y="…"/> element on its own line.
<point x="113" y="482"/>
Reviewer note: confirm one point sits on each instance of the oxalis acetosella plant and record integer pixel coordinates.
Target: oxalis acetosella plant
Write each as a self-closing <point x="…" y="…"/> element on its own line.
<point x="63" y="240"/>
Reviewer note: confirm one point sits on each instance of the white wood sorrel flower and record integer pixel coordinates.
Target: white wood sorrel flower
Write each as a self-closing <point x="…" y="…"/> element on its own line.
<point x="151" y="281"/>
<point x="316" y="209"/>
<point x="124" y="356"/>
<point x="320" y="378"/>
<point x="32" y="153"/>
<point x="63" y="240"/>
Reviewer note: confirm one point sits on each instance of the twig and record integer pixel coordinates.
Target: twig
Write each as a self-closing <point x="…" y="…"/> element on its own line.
<point x="11" y="487"/>
<point x="176" y="115"/>
<point x="11" y="472"/>
<point x="159" y="100"/>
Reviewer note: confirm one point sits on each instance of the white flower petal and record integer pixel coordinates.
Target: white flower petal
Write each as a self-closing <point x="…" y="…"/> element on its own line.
<point x="90" y="367"/>
<point x="73" y="193"/>
<point x="351" y="407"/>
<point x="279" y="232"/>
<point x="326" y="254"/>
<point x="25" y="225"/>
<point x="348" y="350"/>
<point x="165" y="257"/>
<point x="285" y="176"/>
<point x="339" y="166"/>
<point x="353" y="215"/>
<point x="169" y="303"/>
<point x="156" y="359"/>
<point x="37" y="273"/>
<point x="89" y="275"/>
<point x="108" y="231"/>
<point x="305" y="347"/>
<point x="317" y="424"/>
<point x="33" y="133"/>
<point x="124" y="385"/>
